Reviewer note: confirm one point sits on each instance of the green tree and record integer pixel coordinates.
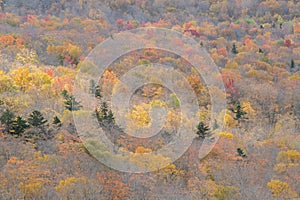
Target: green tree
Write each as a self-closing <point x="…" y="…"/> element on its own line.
<point x="238" y="111"/>
<point x="18" y="126"/>
<point x="105" y="116"/>
<point x="98" y="92"/>
<point x="202" y="130"/>
<point x="56" y="121"/>
<point x="70" y="102"/>
<point x="234" y="49"/>
<point x="7" y="119"/>
<point x="292" y="65"/>
<point x="36" y="119"/>
<point x="241" y="152"/>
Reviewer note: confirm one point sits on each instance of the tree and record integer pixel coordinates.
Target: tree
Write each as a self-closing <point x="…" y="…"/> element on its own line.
<point x="56" y="121"/>
<point x="234" y="49"/>
<point x="70" y="102"/>
<point x="7" y="119"/>
<point x="36" y="119"/>
<point x="292" y="65"/>
<point x="98" y="92"/>
<point x="105" y="115"/>
<point x="238" y="111"/>
<point x="18" y="126"/>
<point x="202" y="130"/>
<point x="241" y="152"/>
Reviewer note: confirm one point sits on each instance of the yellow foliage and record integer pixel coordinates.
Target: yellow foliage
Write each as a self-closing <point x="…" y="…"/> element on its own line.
<point x="280" y="168"/>
<point x="291" y="156"/>
<point x="21" y="78"/>
<point x="6" y="83"/>
<point x="140" y="115"/>
<point x="27" y="56"/>
<point x="281" y="189"/>
<point x="109" y="79"/>
<point x="147" y="160"/>
<point x="231" y="65"/>
<point x="142" y="149"/>
<point x="226" y="135"/>
<point x="248" y="108"/>
<point x="32" y="189"/>
<point x="69" y="183"/>
<point x="229" y="121"/>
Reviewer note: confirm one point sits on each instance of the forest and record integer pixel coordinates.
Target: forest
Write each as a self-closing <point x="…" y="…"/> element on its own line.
<point x="226" y="128"/>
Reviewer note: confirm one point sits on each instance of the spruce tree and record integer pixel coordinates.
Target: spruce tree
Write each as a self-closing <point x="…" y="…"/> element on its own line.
<point x="56" y="121"/>
<point x="70" y="102"/>
<point x="104" y="110"/>
<point x="202" y="130"/>
<point x="36" y="119"/>
<point x="110" y="117"/>
<point x="7" y="119"/>
<point x="98" y="92"/>
<point x="238" y="111"/>
<point x="18" y="126"/>
<point x="292" y="64"/>
<point x="241" y="152"/>
<point x="234" y="49"/>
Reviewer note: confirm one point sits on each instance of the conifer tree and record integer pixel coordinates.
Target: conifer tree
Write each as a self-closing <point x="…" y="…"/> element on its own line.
<point x="234" y="49"/>
<point x="36" y="119"/>
<point x="18" y="126"/>
<point x="241" y="152"/>
<point x="202" y="130"/>
<point x="7" y="119"/>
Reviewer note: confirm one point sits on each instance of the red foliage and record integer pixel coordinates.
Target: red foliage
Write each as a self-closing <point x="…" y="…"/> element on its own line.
<point x="193" y="32"/>
<point x="50" y="72"/>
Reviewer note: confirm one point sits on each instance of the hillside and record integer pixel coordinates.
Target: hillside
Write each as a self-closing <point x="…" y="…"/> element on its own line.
<point x="156" y="99"/>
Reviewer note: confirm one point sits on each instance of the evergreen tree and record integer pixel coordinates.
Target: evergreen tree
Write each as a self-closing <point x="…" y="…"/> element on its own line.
<point x="238" y="111"/>
<point x="110" y="117"/>
<point x="105" y="115"/>
<point x="241" y="152"/>
<point x="56" y="121"/>
<point x="292" y="65"/>
<point x="98" y="92"/>
<point x="202" y="130"/>
<point x="234" y="49"/>
<point x="70" y="101"/>
<point x="36" y="119"/>
<point x="104" y="110"/>
<point x="18" y="126"/>
<point x="7" y="119"/>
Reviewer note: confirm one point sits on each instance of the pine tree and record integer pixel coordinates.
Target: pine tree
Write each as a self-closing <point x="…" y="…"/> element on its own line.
<point x="70" y="102"/>
<point x="202" y="130"/>
<point x="104" y="110"/>
<point x="56" y="121"/>
<point x="292" y="65"/>
<point x="238" y="111"/>
<point x="241" y="152"/>
<point x="234" y="49"/>
<point x="18" y="126"/>
<point x="6" y="119"/>
<point x="98" y="92"/>
<point x="110" y="117"/>
<point x="36" y="119"/>
<point x="105" y="116"/>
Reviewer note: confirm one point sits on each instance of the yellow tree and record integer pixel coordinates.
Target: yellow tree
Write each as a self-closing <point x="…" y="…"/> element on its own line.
<point x="281" y="189"/>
